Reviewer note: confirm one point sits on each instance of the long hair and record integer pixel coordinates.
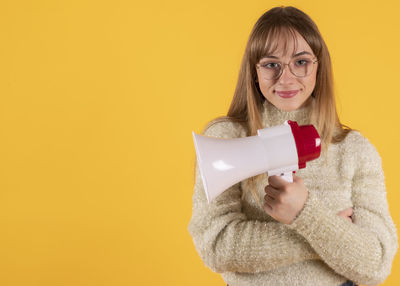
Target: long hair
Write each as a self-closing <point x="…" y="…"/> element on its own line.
<point x="248" y="100"/>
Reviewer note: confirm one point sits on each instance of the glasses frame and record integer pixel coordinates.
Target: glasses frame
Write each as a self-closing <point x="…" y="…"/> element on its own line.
<point x="283" y="65"/>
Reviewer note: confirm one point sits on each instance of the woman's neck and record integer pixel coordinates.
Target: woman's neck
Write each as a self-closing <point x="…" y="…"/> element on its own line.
<point x="272" y="116"/>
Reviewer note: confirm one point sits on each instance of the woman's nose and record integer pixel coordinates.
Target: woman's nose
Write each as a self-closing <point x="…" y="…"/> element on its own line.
<point x="286" y="75"/>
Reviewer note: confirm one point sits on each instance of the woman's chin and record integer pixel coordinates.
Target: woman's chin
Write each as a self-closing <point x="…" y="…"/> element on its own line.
<point x="290" y="105"/>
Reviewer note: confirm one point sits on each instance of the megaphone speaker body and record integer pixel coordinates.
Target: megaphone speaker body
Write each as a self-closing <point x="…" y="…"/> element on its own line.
<point x="225" y="162"/>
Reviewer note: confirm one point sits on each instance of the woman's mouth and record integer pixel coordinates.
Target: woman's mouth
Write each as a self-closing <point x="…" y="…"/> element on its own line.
<point x="286" y="93"/>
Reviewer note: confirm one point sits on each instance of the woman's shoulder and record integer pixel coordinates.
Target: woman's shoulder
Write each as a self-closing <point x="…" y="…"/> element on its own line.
<point x="357" y="144"/>
<point x="356" y="139"/>
<point x="225" y="127"/>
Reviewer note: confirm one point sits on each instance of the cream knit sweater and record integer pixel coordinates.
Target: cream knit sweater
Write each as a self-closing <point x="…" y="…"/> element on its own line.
<point x="238" y="239"/>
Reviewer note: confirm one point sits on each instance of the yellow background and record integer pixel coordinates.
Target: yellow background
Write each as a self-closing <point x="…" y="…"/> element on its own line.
<point x="98" y="101"/>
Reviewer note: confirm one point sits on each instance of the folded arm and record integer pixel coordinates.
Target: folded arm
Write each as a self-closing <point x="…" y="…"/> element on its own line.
<point x="362" y="251"/>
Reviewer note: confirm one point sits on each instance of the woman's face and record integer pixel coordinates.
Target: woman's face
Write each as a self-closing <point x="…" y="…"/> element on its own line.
<point x="288" y="92"/>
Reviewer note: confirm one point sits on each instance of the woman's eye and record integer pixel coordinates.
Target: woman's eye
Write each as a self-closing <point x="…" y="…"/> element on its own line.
<point x="270" y="65"/>
<point x="301" y="62"/>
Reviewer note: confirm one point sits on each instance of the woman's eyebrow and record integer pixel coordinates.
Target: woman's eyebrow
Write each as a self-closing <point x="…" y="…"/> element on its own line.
<point x="296" y="55"/>
<point x="302" y="53"/>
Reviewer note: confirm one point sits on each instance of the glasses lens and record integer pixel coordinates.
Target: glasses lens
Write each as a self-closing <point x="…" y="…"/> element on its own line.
<point x="301" y="67"/>
<point x="270" y="70"/>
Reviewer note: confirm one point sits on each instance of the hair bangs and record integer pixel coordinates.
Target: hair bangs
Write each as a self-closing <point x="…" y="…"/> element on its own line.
<point x="269" y="42"/>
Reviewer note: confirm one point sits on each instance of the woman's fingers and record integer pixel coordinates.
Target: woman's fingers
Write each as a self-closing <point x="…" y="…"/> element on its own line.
<point x="273" y="193"/>
<point x="277" y="181"/>
<point x="267" y="207"/>
<point x="346" y="213"/>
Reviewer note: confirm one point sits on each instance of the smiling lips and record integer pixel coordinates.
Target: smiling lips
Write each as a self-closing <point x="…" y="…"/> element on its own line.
<point x="287" y="93"/>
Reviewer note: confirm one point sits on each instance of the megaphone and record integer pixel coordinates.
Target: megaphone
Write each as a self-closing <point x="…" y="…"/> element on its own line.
<point x="278" y="150"/>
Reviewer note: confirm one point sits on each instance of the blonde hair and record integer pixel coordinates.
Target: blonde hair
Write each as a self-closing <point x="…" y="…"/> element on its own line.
<point x="248" y="100"/>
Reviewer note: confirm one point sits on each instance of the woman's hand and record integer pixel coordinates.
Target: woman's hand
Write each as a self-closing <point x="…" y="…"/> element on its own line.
<point x="284" y="200"/>
<point x="347" y="214"/>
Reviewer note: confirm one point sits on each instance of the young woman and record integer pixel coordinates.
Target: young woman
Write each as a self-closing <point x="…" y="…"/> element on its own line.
<point x="332" y="225"/>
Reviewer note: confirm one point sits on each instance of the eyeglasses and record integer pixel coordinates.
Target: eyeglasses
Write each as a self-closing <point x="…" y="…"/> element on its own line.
<point x="300" y="67"/>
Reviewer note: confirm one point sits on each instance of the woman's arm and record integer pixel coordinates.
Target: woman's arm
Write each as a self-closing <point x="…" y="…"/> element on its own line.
<point x="362" y="251"/>
<point x="227" y="240"/>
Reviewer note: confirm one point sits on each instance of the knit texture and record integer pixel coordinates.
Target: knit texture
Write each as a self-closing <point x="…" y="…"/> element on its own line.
<point x="238" y="239"/>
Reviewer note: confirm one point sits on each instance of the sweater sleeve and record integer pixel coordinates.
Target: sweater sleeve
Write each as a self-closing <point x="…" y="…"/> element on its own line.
<point x="362" y="251"/>
<point x="227" y="240"/>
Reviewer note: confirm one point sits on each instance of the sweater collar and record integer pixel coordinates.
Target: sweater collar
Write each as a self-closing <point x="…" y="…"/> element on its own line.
<point x="272" y="116"/>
